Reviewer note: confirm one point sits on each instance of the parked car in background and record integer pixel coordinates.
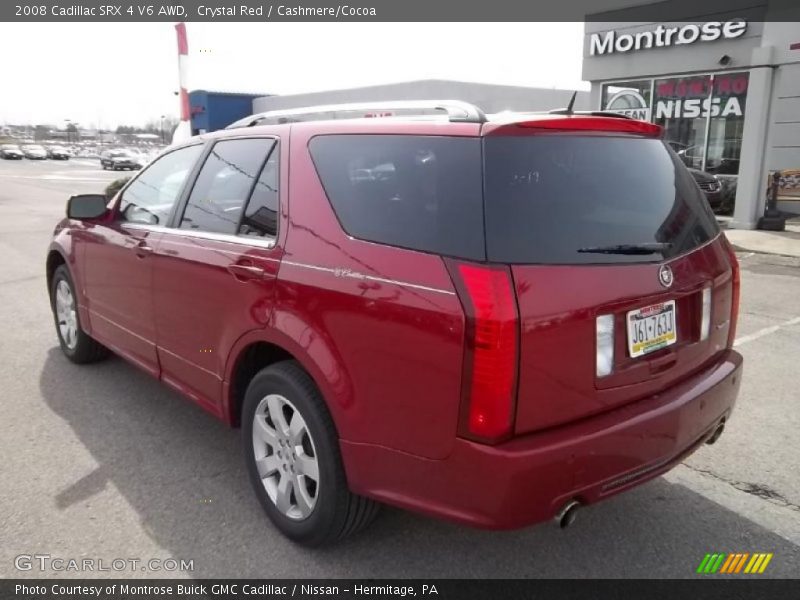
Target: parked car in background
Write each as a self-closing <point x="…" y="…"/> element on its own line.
<point x="58" y="153"/>
<point x="11" y="152"/>
<point x="118" y="160"/>
<point x="34" y="152"/>
<point x="711" y="187"/>
<point x="722" y="157"/>
<point x="340" y="289"/>
<point x="145" y="158"/>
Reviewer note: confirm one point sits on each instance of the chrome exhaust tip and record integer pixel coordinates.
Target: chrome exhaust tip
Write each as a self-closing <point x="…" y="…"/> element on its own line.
<point x="566" y="516"/>
<point x="717" y="432"/>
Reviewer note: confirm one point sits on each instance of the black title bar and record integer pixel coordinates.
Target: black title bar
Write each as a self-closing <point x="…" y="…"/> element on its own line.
<point x="710" y="588"/>
<point x="384" y="10"/>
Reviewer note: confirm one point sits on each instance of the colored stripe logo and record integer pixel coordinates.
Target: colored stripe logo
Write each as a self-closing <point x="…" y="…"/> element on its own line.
<point x="734" y="563"/>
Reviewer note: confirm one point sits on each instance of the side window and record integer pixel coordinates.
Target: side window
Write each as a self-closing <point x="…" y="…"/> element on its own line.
<point x="418" y="192"/>
<point x="261" y="215"/>
<point x="224" y="185"/>
<point x="151" y="196"/>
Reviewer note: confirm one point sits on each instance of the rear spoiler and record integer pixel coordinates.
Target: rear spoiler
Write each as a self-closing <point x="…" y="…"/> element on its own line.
<point x="590" y="121"/>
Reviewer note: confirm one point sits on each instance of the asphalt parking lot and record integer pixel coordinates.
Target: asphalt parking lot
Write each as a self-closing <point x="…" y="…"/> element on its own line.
<point x="103" y="462"/>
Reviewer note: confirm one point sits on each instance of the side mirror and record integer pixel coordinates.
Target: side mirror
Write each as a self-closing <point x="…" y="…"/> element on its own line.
<point x="86" y="206"/>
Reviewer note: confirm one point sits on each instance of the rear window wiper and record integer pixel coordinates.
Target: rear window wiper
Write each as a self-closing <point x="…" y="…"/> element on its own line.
<point x="643" y="249"/>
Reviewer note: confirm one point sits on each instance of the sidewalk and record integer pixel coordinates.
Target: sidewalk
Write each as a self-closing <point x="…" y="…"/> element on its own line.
<point x="785" y="243"/>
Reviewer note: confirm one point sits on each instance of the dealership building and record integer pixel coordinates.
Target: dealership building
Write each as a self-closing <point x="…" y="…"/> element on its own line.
<point x="725" y="87"/>
<point x="723" y="82"/>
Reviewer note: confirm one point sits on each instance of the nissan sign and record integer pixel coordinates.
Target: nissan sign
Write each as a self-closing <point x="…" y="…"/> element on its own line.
<point x="663" y="37"/>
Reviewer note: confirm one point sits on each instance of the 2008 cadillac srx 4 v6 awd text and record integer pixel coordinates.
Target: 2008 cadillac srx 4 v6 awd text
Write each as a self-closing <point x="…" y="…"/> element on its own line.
<point x="492" y="320"/>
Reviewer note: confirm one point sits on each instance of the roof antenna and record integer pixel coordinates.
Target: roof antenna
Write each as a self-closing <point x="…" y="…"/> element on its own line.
<point x="568" y="110"/>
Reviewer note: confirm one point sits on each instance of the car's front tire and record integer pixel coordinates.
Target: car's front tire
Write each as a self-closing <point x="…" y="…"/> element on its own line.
<point x="292" y="454"/>
<point x="75" y="343"/>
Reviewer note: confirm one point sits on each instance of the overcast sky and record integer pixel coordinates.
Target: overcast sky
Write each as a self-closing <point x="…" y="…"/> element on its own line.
<point x="110" y="74"/>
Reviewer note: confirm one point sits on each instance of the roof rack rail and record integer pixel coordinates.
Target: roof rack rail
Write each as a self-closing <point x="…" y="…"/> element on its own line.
<point x="456" y="111"/>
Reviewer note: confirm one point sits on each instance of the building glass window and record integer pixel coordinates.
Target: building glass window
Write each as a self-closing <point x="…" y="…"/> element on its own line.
<point x="703" y="119"/>
<point x="629" y="98"/>
<point x="678" y="108"/>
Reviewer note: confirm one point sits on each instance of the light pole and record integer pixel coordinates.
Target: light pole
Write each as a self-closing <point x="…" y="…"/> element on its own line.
<point x="69" y="133"/>
<point x="162" y="129"/>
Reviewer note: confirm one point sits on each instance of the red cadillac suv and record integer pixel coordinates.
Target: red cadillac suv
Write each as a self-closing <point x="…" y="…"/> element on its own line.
<point x="489" y="320"/>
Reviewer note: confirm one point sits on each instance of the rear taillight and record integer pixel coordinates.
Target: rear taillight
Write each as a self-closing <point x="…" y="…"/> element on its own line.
<point x="604" y="329"/>
<point x="735" y="284"/>
<point x="491" y="352"/>
<point x="705" y="320"/>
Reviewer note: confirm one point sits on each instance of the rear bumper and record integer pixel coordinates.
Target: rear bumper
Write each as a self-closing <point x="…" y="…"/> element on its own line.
<point x="528" y="479"/>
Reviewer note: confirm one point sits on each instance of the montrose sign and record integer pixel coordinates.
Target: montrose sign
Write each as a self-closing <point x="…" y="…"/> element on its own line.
<point x="662" y="36"/>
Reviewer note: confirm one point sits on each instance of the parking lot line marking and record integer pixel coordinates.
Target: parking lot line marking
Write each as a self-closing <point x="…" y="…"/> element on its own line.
<point x="766" y="331"/>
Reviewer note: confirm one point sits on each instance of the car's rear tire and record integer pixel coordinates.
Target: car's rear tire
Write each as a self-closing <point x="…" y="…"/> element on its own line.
<point x="75" y="343"/>
<point x="289" y="439"/>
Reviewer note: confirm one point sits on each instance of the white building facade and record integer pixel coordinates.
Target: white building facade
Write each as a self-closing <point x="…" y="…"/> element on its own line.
<point x="725" y="86"/>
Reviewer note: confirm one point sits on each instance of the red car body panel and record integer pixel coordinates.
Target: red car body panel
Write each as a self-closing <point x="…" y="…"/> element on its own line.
<point x="558" y="308"/>
<point x="528" y="479"/>
<point x="117" y="280"/>
<point x="382" y="332"/>
<point x="195" y="341"/>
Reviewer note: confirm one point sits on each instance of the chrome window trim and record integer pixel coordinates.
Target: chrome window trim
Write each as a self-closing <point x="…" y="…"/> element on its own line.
<point x="350" y="274"/>
<point x="456" y="111"/>
<point x="204" y="235"/>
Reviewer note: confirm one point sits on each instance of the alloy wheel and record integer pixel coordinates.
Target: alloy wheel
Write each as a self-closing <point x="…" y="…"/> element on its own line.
<point x="66" y="315"/>
<point x="285" y="457"/>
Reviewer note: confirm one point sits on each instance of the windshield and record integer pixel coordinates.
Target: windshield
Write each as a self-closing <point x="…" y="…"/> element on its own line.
<point x="574" y="199"/>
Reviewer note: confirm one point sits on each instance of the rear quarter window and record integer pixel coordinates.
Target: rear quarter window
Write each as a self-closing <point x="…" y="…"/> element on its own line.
<point x="418" y="192"/>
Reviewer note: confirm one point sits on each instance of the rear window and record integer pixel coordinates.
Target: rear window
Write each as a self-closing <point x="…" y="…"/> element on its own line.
<point x="417" y="192"/>
<point x="549" y="198"/>
<point x="552" y="199"/>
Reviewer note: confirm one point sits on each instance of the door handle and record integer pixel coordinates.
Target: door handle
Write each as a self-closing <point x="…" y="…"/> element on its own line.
<point x="246" y="272"/>
<point x="142" y="249"/>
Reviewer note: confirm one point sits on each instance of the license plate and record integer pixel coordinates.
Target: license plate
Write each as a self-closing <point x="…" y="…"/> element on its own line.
<point x="651" y="328"/>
